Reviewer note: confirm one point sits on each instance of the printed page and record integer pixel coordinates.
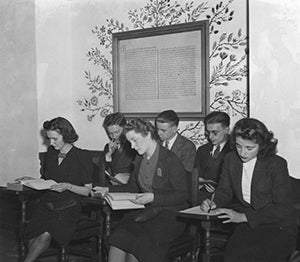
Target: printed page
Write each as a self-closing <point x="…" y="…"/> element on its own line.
<point x="39" y="184"/>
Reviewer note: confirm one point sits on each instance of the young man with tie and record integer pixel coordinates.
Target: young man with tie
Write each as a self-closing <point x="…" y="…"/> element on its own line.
<point x="166" y="124"/>
<point x="209" y="157"/>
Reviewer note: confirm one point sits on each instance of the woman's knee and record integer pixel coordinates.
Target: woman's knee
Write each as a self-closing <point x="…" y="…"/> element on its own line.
<point x="45" y="237"/>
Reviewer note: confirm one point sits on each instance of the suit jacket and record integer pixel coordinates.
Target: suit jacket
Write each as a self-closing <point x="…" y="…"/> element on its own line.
<point x="185" y="150"/>
<point x="169" y="181"/>
<point x="271" y="195"/>
<point x="122" y="159"/>
<point x="208" y="167"/>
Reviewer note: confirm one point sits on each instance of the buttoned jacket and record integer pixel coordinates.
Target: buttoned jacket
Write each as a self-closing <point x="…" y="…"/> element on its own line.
<point x="271" y="195"/>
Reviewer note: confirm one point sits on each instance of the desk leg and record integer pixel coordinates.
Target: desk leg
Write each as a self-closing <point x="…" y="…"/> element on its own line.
<point x="206" y="225"/>
<point x="107" y="223"/>
<point x="23" y="201"/>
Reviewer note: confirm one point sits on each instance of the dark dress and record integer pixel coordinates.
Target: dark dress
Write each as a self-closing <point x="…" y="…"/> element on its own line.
<point x="76" y="168"/>
<point x="149" y="241"/>
<point x="270" y="233"/>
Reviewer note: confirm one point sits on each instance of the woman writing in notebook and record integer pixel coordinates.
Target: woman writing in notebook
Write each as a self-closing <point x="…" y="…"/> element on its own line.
<point x="59" y="208"/>
<point x="259" y="181"/>
<point x="159" y="178"/>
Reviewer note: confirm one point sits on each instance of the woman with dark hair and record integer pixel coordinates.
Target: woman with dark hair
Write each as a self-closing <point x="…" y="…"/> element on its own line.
<point x="258" y="180"/>
<point x="160" y="180"/>
<point x="59" y="208"/>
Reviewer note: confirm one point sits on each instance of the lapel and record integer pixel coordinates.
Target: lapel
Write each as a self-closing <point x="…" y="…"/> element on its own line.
<point x="257" y="178"/>
<point x="159" y="166"/>
<point x="159" y="169"/>
<point x="177" y="144"/>
<point x="210" y="160"/>
<point x="236" y="172"/>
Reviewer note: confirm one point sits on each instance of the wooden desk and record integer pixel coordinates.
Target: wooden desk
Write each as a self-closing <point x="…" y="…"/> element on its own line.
<point x="23" y="197"/>
<point x="205" y="222"/>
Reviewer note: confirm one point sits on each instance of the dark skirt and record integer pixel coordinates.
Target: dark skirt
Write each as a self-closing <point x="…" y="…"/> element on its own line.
<point x="260" y="244"/>
<point x="148" y="241"/>
<point x="60" y="224"/>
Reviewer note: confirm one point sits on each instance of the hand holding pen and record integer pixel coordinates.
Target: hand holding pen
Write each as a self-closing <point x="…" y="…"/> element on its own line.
<point x="208" y="204"/>
<point x="212" y="205"/>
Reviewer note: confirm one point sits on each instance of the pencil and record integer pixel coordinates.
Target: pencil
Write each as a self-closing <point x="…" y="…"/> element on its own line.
<point x="211" y="201"/>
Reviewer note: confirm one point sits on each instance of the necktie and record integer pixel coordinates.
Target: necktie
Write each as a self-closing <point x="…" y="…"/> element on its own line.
<point x="167" y="144"/>
<point x="62" y="155"/>
<point x="216" y="152"/>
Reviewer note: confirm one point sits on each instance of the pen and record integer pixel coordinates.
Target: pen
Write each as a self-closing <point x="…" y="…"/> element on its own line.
<point x="211" y="201"/>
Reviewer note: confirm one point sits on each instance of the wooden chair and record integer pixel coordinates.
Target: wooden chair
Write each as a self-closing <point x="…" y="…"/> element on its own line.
<point x="185" y="246"/>
<point x="295" y="184"/>
<point x="219" y="233"/>
<point x="91" y="225"/>
<point x="89" y="229"/>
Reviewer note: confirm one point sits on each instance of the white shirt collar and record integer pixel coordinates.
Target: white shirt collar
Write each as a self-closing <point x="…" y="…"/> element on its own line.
<point x="171" y="141"/>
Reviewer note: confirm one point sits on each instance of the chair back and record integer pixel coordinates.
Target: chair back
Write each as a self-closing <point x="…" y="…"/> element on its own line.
<point x="98" y="168"/>
<point x="195" y="187"/>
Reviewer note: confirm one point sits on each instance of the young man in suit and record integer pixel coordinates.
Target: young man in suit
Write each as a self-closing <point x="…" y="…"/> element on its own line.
<point x="166" y="124"/>
<point x="209" y="157"/>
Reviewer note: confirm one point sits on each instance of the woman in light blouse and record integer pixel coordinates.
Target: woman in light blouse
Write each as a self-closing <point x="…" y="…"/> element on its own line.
<point x="258" y="180"/>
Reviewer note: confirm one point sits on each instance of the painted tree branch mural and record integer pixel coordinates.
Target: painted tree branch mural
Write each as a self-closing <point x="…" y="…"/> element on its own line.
<point x="228" y="57"/>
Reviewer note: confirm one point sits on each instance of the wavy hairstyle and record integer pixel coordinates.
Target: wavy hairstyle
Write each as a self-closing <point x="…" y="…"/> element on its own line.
<point x="255" y="131"/>
<point x="114" y="119"/>
<point x="63" y="127"/>
<point x="141" y="126"/>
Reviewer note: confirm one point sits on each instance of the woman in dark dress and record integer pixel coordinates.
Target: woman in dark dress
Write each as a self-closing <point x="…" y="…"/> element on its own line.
<point x="59" y="208"/>
<point x="159" y="178"/>
<point x="258" y="180"/>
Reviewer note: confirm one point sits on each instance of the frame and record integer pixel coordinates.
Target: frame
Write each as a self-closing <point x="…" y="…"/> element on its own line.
<point x="162" y="68"/>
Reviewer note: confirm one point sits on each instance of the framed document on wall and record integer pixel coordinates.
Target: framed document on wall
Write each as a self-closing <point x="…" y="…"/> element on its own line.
<point x="162" y="68"/>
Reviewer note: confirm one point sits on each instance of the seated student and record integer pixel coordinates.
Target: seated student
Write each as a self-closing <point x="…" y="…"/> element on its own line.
<point x="166" y="124"/>
<point x="210" y="157"/>
<point x="118" y="153"/>
<point x="160" y="180"/>
<point x="259" y="181"/>
<point x="59" y="208"/>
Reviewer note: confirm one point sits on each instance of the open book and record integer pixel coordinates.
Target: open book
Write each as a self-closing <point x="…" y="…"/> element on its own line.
<point x="119" y="179"/>
<point x="119" y="201"/>
<point x="39" y="184"/>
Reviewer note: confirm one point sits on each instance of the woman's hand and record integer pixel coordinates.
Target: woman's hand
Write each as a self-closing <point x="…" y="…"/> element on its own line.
<point x="231" y="216"/>
<point x="209" y="188"/>
<point x="208" y="205"/>
<point x="61" y="187"/>
<point x="144" y="198"/>
<point x="99" y="191"/>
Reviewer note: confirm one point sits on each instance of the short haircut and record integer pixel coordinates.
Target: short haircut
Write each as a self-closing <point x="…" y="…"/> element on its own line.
<point x="141" y="126"/>
<point x="114" y="119"/>
<point x="255" y="131"/>
<point x="168" y="116"/>
<point x="63" y="127"/>
<point x="217" y="117"/>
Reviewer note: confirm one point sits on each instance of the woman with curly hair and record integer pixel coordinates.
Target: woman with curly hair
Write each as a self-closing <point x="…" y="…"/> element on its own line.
<point x="160" y="181"/>
<point x="59" y="208"/>
<point x="258" y="181"/>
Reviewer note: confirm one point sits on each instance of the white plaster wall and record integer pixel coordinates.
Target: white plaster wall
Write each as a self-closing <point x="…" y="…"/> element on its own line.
<point x="275" y="73"/>
<point x="18" y="96"/>
<point x="54" y="62"/>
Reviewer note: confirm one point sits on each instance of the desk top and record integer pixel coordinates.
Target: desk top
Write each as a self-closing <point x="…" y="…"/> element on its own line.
<point x="197" y="213"/>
